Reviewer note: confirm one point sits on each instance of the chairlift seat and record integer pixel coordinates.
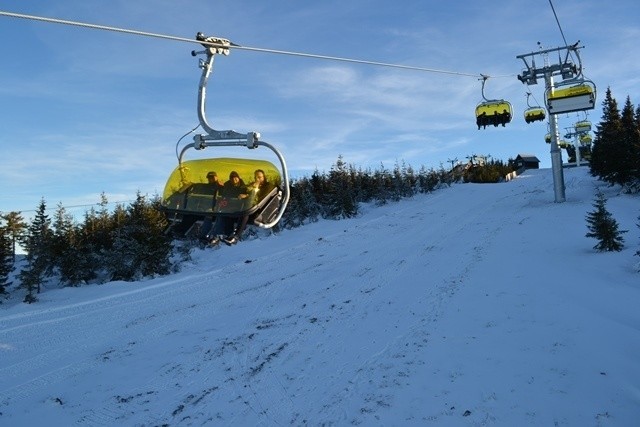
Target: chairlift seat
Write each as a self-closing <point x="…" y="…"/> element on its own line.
<point x="573" y="98"/>
<point x="583" y="126"/>
<point x="186" y="197"/>
<point x="495" y="112"/>
<point x="586" y="139"/>
<point x="534" y="114"/>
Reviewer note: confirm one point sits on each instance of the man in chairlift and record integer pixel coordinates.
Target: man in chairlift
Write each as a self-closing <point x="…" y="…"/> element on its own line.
<point x="212" y="181"/>
<point x="234" y="188"/>
<point x="212" y="178"/>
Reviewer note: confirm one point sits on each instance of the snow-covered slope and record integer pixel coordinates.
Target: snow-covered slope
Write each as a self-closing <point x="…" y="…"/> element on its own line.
<point x="474" y="305"/>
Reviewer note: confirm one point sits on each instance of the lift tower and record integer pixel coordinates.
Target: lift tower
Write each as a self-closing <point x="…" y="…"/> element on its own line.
<point x="574" y="93"/>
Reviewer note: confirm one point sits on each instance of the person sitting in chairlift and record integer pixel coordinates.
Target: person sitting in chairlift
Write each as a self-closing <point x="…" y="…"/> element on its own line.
<point x="257" y="191"/>
<point x="234" y="188"/>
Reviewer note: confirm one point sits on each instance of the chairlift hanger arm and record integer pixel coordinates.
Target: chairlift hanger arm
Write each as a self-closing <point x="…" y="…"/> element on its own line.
<point x="484" y="79"/>
<point x="207" y="67"/>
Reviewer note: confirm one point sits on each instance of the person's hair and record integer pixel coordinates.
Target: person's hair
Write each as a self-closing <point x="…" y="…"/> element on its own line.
<point x="262" y="172"/>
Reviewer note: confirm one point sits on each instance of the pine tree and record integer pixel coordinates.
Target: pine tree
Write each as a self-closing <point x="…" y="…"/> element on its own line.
<point x="607" y="133"/>
<point x="604" y="227"/>
<point x="428" y="180"/>
<point x="6" y="262"/>
<point x="303" y="205"/>
<point x="16" y="228"/>
<point x="37" y="244"/>
<point x="72" y="259"/>
<point x="383" y="185"/>
<point x="341" y="192"/>
<point x="635" y="170"/>
<point x="140" y="246"/>
<point x="625" y="147"/>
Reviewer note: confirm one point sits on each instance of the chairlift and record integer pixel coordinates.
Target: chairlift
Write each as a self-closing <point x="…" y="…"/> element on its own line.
<point x="534" y="113"/>
<point x="492" y="112"/>
<point x="188" y="197"/>
<point x="582" y="126"/>
<point x="586" y="139"/>
<point x="571" y="96"/>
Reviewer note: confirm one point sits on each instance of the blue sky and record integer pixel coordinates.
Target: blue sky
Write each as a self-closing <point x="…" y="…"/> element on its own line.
<point x="87" y="111"/>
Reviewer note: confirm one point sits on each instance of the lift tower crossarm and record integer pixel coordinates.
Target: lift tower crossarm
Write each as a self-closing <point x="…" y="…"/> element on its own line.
<point x="564" y="66"/>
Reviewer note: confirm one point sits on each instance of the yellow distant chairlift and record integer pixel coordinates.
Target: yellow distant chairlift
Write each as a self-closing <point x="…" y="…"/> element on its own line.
<point x="188" y="197"/>
<point x="492" y="112"/>
<point x="586" y="139"/>
<point x="571" y="96"/>
<point x="582" y="126"/>
<point x="534" y="113"/>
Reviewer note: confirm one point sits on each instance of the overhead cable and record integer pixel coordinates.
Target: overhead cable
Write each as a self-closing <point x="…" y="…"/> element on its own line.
<point x="558" y="22"/>
<point x="236" y="46"/>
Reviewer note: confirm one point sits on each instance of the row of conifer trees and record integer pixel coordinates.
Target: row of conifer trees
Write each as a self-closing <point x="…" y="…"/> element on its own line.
<point x="124" y="244"/>
<point x="129" y="242"/>
<point x="615" y="159"/>
<point x="615" y="156"/>
<point x="339" y="193"/>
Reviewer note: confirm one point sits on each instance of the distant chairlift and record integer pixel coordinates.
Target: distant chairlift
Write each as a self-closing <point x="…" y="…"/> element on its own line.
<point x="582" y="126"/>
<point x="586" y="139"/>
<point x="492" y="112"/>
<point x="534" y="113"/>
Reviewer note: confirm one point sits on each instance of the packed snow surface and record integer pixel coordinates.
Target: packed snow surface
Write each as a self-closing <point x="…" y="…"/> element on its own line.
<point x="475" y="305"/>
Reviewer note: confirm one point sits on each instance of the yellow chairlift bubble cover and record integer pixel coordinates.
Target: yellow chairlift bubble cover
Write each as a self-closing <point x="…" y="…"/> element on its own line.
<point x="534" y="114"/>
<point x="586" y="139"/>
<point x="577" y="90"/>
<point x="492" y="107"/>
<point x="583" y="126"/>
<point x="195" y="172"/>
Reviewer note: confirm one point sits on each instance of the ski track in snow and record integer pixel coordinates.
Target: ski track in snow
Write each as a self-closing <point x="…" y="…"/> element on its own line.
<point x="249" y="343"/>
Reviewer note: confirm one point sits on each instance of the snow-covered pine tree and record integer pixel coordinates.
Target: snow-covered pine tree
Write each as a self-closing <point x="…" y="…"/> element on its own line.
<point x="604" y="227"/>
